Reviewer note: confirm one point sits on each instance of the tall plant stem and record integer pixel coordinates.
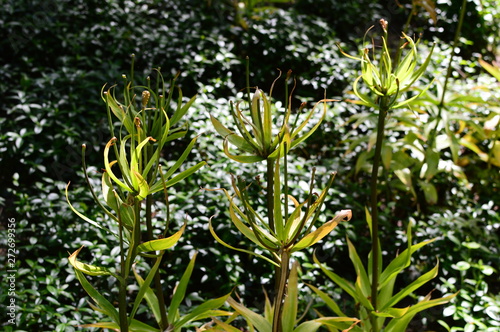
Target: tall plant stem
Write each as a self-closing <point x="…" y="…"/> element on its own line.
<point x="122" y="304"/>
<point x="282" y="280"/>
<point x="448" y="72"/>
<point x="122" y="290"/>
<point x="383" y="108"/>
<point x="149" y="228"/>
<point x="270" y="192"/>
<point x="157" y="278"/>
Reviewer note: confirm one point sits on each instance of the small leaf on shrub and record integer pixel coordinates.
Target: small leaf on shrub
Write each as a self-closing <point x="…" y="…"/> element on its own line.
<point x="448" y="311"/>
<point x="461" y="266"/>
<point x="471" y="245"/>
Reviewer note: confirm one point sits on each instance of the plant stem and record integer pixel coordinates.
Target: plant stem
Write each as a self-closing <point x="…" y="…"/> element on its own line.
<point x="383" y="108"/>
<point x="282" y="278"/>
<point x="149" y="226"/>
<point x="270" y="192"/>
<point x="157" y="278"/>
<point x="122" y="291"/>
<point x="122" y="305"/>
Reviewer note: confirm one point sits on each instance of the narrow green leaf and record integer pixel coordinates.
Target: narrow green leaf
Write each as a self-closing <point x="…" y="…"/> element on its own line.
<point x="493" y="70"/>
<point x="150" y="297"/>
<point x="201" y="310"/>
<point x="123" y="162"/>
<point x="145" y="287"/>
<point x="290" y="304"/>
<point x="184" y="174"/>
<point x="135" y="326"/>
<point x="328" y="301"/>
<point x="267" y="122"/>
<point x="268" y="309"/>
<point x="181" y="159"/>
<point x="142" y="185"/>
<point x="400" y="324"/>
<point x="87" y="268"/>
<point x="412" y="287"/>
<point x="180" y="290"/>
<point x="392" y="312"/>
<point x="232" y="137"/>
<point x="238" y="249"/>
<point x="226" y="327"/>
<point x="364" y="282"/>
<point x="90" y="221"/>
<point x="339" y="281"/>
<point x="118" y="111"/>
<point x="100" y="300"/>
<point x="179" y="114"/>
<point x="175" y="135"/>
<point x="256" y="234"/>
<point x="260" y="323"/>
<point x="241" y="158"/>
<point x="401" y="262"/>
<point x="309" y="326"/>
<point x="294" y="220"/>
<point x="278" y="213"/>
<point x="255" y="114"/>
<point x="179" y="177"/>
<point x="108" y="165"/>
<point x="339" y="322"/>
<point x="315" y="236"/>
<point x="107" y="192"/>
<point x="161" y="244"/>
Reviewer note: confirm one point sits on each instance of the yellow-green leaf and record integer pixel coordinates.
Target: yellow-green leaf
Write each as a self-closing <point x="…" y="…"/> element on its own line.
<point x="87" y="268"/>
<point x="161" y="244"/>
<point x="322" y="231"/>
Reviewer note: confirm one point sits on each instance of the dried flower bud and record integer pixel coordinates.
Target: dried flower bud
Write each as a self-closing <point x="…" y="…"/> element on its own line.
<point x="145" y="98"/>
<point x="383" y="24"/>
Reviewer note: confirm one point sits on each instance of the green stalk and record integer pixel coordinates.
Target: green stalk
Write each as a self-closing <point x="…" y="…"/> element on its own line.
<point x="383" y="109"/>
<point x="247" y="68"/>
<point x="270" y="192"/>
<point x="282" y="278"/>
<point x="149" y="229"/>
<point x="122" y="291"/>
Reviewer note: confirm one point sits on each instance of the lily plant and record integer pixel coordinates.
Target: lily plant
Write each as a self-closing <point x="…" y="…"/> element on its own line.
<point x="266" y="134"/>
<point x="129" y="181"/>
<point x="387" y="83"/>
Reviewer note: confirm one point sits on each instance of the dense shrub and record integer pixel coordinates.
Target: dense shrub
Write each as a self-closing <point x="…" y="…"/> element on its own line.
<point x="56" y="55"/>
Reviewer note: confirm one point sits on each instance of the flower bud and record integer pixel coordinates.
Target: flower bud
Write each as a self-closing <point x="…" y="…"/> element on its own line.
<point x="145" y="98"/>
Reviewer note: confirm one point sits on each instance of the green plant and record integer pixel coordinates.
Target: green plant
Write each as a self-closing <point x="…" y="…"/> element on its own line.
<point x="287" y="224"/>
<point x="128" y="202"/>
<point x="373" y="289"/>
<point x="290" y="322"/>
<point x="374" y="318"/>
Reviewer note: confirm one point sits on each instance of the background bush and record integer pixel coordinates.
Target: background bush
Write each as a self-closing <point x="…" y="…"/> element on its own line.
<point x="56" y="55"/>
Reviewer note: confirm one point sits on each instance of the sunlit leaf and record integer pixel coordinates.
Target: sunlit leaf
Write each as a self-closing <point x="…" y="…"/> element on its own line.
<point x="290" y="305"/>
<point x="260" y="323"/>
<point x="87" y="268"/>
<point x="100" y="300"/>
<point x="161" y="244"/>
<point x="321" y="232"/>
<point x="180" y="289"/>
